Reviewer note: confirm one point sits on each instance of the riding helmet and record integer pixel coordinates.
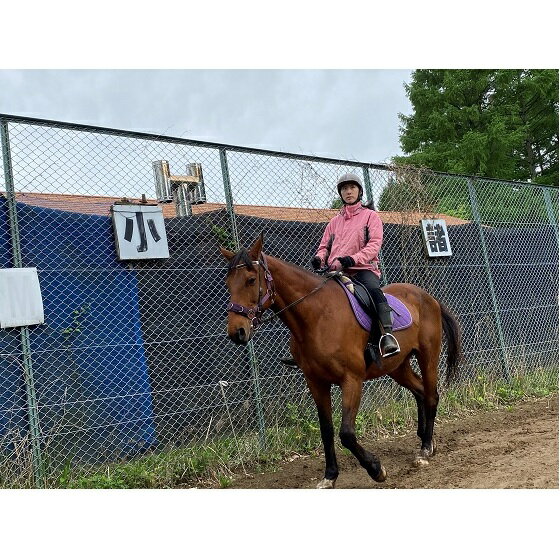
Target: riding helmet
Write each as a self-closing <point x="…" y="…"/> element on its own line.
<point x="350" y="178"/>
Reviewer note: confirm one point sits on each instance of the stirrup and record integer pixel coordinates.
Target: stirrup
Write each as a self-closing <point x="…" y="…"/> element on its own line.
<point x="391" y="353"/>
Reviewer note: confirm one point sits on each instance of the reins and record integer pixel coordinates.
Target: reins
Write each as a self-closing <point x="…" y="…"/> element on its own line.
<point x="274" y="315"/>
<point x="254" y="314"/>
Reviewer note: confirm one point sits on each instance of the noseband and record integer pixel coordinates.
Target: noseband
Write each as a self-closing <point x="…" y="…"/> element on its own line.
<point x="254" y="314"/>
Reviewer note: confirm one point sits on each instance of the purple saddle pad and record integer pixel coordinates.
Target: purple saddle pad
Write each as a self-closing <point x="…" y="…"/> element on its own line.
<point x="401" y="315"/>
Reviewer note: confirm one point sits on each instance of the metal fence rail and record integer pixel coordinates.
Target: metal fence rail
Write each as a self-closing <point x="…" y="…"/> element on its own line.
<point x="133" y="358"/>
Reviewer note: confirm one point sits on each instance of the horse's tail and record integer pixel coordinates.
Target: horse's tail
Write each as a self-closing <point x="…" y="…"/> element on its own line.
<point x="453" y="335"/>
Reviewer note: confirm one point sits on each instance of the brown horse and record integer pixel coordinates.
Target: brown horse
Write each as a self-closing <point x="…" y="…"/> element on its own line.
<point x="328" y="345"/>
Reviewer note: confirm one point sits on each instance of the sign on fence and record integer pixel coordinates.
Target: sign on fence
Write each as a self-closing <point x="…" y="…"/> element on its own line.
<point x="21" y="303"/>
<point x="139" y="232"/>
<point x="436" y="238"/>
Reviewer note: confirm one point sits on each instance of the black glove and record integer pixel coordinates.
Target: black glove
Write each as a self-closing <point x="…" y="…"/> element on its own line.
<point x="347" y="262"/>
<point x="316" y="262"/>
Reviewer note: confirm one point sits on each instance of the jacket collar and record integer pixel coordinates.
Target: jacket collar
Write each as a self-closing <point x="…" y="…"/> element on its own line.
<point x="351" y="210"/>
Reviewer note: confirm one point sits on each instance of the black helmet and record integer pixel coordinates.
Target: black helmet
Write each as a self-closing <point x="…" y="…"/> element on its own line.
<point x="350" y="178"/>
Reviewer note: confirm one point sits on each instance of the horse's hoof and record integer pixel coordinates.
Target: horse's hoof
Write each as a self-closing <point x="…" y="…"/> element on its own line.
<point x="382" y="475"/>
<point x="421" y="458"/>
<point x="326" y="483"/>
<point x="420" y="461"/>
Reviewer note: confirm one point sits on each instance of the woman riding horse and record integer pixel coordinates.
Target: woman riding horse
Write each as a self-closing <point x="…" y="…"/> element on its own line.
<point x="328" y="345"/>
<point x="351" y="242"/>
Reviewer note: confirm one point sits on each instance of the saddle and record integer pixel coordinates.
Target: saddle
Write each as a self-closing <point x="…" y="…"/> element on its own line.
<point x="366" y="314"/>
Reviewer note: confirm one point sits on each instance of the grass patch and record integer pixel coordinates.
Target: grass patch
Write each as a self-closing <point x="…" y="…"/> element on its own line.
<point x="215" y="462"/>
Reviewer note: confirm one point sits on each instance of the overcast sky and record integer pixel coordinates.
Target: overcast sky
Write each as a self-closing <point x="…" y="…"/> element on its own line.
<point x="349" y="114"/>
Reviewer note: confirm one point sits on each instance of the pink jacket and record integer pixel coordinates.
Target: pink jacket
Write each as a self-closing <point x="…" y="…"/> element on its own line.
<point x="356" y="232"/>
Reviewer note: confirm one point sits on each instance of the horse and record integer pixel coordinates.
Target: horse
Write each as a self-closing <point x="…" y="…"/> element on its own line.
<point x="328" y="345"/>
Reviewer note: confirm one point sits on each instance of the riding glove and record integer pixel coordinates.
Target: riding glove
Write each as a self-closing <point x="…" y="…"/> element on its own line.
<point x="316" y="262"/>
<point x="347" y="262"/>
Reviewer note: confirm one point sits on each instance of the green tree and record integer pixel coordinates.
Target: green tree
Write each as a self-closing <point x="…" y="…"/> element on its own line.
<point x="418" y="190"/>
<point x="495" y="123"/>
<point x="336" y="203"/>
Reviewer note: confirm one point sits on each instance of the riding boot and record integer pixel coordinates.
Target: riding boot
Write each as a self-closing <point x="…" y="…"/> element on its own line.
<point x="388" y="344"/>
<point x="289" y="361"/>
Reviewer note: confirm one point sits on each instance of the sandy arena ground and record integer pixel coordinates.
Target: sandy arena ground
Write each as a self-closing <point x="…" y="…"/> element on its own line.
<point x="515" y="448"/>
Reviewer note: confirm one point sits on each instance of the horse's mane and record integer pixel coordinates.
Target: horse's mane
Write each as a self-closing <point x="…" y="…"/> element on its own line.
<point x="243" y="258"/>
<point x="297" y="268"/>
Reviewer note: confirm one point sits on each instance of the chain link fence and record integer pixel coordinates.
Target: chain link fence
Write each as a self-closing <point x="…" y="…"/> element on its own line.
<point x="133" y="359"/>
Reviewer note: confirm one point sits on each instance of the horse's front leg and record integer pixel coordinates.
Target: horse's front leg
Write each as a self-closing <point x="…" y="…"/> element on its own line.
<point x="351" y="396"/>
<point x="321" y="392"/>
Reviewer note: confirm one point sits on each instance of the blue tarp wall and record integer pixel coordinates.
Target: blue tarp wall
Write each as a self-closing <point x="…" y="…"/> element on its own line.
<point x="91" y="379"/>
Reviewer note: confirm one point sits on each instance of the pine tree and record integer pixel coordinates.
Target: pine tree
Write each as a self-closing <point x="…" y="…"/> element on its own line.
<point x="495" y="123"/>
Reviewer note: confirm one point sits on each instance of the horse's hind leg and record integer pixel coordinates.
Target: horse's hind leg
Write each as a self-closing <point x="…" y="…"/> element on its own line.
<point x="428" y="367"/>
<point x="351" y="396"/>
<point x="321" y="392"/>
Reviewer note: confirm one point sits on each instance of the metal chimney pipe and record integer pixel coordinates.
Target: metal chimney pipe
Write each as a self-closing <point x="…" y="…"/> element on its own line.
<point x="164" y="193"/>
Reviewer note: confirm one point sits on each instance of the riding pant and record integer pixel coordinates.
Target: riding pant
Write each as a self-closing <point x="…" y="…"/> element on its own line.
<point x="371" y="282"/>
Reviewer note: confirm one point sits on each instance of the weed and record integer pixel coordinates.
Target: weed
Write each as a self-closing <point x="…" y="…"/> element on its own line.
<point x="225" y="481"/>
<point x="78" y="317"/>
<point x="223" y="236"/>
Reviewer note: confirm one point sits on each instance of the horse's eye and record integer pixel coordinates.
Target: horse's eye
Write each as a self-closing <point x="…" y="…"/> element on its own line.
<point x="251" y="281"/>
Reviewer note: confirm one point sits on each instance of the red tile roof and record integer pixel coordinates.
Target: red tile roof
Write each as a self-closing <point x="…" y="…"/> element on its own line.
<point x="101" y="205"/>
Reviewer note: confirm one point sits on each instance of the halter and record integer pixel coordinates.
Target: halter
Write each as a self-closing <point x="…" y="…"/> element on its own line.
<point x="254" y="314"/>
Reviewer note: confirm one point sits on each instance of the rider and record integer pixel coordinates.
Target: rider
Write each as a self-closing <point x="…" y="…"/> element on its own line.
<point x="351" y="242"/>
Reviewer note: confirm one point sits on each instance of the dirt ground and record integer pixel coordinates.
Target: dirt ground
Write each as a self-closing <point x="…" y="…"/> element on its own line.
<point x="506" y="448"/>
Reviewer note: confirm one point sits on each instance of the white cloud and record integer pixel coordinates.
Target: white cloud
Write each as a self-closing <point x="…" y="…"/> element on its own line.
<point x="335" y="113"/>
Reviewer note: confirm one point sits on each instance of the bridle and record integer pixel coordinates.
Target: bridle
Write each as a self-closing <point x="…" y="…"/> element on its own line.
<point x="254" y="314"/>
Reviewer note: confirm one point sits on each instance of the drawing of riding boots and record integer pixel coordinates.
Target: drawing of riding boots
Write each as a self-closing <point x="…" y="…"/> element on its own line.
<point x="388" y="344"/>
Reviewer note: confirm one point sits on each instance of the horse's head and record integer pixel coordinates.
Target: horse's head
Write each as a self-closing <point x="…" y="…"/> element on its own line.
<point x="251" y="288"/>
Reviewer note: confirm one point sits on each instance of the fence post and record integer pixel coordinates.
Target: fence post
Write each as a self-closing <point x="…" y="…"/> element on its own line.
<point x="367" y="183"/>
<point x="32" y="407"/>
<point x="369" y="194"/>
<point x="476" y="216"/>
<point x="254" y="364"/>
<point x="550" y="211"/>
<point x="229" y="198"/>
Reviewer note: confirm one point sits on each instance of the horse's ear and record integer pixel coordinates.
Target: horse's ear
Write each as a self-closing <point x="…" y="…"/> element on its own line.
<point x="227" y="254"/>
<point x="256" y="249"/>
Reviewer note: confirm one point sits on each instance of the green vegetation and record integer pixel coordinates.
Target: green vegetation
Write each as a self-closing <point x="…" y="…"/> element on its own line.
<point x="223" y="236"/>
<point x="215" y="462"/>
<point x="419" y="190"/>
<point x="336" y="203"/>
<point x="495" y="123"/>
<point x="78" y="317"/>
<point x="413" y="189"/>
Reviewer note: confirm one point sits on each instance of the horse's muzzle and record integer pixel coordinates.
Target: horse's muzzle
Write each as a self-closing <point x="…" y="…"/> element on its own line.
<point x="241" y="335"/>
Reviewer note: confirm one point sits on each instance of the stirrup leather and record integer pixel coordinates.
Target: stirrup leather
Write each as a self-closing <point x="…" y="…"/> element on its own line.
<point x="396" y="351"/>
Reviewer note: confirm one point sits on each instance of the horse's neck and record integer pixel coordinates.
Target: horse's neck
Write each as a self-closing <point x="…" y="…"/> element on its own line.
<point x="290" y="286"/>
